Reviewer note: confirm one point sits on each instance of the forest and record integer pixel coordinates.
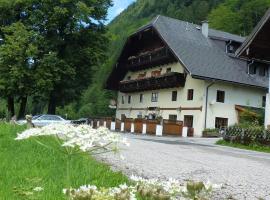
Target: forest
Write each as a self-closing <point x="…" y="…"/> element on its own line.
<point x="66" y="69"/>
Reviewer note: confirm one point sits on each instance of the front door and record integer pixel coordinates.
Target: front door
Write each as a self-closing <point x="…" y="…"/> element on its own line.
<point x="188" y="122"/>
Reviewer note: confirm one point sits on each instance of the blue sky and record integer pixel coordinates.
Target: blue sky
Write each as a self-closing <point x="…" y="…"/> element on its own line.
<point x="118" y="7"/>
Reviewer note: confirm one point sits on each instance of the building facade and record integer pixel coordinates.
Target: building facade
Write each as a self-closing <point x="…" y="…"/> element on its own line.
<point x="175" y="70"/>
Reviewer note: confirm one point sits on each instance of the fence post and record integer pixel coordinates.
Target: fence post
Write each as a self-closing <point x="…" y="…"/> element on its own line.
<point x="105" y="123"/>
<point x="122" y="126"/>
<point x="185" y="131"/>
<point x="97" y="124"/>
<point x="132" y="128"/>
<point x="159" y="130"/>
<point x="92" y="123"/>
<point x="113" y="126"/>
<point x="144" y="129"/>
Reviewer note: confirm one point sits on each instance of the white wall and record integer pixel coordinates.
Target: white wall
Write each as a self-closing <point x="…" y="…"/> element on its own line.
<point x="234" y="95"/>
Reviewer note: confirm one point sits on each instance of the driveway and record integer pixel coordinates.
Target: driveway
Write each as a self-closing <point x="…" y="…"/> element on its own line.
<point x="244" y="174"/>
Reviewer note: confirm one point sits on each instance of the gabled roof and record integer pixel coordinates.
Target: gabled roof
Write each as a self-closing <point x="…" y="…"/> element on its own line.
<point x="255" y="34"/>
<point x="201" y="56"/>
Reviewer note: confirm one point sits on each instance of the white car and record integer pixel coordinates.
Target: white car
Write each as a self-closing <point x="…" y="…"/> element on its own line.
<point x="44" y="120"/>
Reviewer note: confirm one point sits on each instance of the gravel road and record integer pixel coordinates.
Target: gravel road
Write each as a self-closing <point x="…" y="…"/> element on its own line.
<point x="244" y="174"/>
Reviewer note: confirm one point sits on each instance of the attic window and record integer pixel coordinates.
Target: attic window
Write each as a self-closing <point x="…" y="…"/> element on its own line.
<point x="230" y="49"/>
<point x="252" y="69"/>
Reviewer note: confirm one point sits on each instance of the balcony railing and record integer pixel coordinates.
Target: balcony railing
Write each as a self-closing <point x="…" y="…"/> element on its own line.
<point x="169" y="80"/>
<point x="156" y="57"/>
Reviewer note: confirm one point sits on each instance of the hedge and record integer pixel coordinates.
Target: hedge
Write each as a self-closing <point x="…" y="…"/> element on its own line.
<point x="247" y="136"/>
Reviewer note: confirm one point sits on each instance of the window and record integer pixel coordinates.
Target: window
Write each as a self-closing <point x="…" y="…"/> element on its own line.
<point x="188" y="121"/>
<point x="168" y="70"/>
<point x="129" y="99"/>
<point x="141" y="98"/>
<point x="123" y="99"/>
<point x="230" y="49"/>
<point x="174" y="95"/>
<point x="190" y="95"/>
<point x="221" y="122"/>
<point x="154" y="97"/>
<point x="220" y="96"/>
<point x="140" y="116"/>
<point x="263" y="101"/>
<point x="173" y="117"/>
<point x="252" y="69"/>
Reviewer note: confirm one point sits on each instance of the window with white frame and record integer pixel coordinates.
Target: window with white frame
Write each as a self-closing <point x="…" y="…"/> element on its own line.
<point x="141" y="98"/>
<point x="129" y="99"/>
<point x="154" y="97"/>
<point x="123" y="100"/>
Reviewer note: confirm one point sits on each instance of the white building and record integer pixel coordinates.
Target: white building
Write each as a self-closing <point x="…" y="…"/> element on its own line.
<point x="181" y="71"/>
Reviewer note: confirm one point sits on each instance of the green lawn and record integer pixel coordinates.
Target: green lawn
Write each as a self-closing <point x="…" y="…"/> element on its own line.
<point x="25" y="165"/>
<point x="252" y="147"/>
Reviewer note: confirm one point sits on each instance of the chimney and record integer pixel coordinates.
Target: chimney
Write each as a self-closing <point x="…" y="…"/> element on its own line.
<point x="205" y="28"/>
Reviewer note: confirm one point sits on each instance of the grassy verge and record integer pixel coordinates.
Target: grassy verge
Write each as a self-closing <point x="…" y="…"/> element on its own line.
<point x="25" y="165"/>
<point x="253" y="147"/>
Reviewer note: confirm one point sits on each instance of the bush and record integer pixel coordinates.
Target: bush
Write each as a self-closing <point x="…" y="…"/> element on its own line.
<point x="211" y="132"/>
<point x="247" y="135"/>
<point x="250" y="117"/>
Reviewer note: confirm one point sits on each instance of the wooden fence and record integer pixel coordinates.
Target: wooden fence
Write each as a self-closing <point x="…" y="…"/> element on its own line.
<point x="172" y="127"/>
<point x="118" y="125"/>
<point x="151" y="126"/>
<point x="127" y="126"/>
<point x="169" y="127"/>
<point x="138" y="126"/>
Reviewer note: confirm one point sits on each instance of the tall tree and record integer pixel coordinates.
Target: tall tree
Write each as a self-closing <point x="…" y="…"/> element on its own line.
<point x="16" y="55"/>
<point x="71" y="42"/>
<point x="238" y="16"/>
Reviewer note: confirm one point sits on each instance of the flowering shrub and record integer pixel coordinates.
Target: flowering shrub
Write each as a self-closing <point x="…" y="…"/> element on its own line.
<point x="82" y="137"/>
<point x="152" y="189"/>
<point x="88" y="192"/>
<point x="76" y="140"/>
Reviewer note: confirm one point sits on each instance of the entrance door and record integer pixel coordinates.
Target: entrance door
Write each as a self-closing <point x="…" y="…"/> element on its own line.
<point x="188" y="122"/>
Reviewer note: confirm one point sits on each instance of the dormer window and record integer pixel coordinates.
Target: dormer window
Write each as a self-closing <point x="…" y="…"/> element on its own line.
<point x="258" y="68"/>
<point x="252" y="69"/>
<point x="230" y="49"/>
<point x="129" y="78"/>
<point x="262" y="71"/>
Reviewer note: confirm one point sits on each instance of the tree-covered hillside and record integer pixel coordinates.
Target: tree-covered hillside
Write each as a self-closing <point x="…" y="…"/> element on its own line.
<point x="235" y="16"/>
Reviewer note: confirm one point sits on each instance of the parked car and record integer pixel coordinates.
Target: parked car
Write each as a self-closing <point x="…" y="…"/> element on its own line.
<point x="81" y="121"/>
<point x="43" y="120"/>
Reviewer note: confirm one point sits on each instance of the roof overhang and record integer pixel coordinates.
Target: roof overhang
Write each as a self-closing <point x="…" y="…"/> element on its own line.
<point x="257" y="45"/>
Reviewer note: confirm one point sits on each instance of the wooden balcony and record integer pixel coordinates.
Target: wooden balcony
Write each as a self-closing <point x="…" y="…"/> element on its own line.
<point x="169" y="80"/>
<point x="152" y="58"/>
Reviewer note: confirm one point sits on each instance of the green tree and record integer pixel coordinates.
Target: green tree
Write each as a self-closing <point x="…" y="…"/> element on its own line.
<point x="74" y="30"/>
<point x="72" y="39"/>
<point x="238" y="16"/>
<point x="16" y="67"/>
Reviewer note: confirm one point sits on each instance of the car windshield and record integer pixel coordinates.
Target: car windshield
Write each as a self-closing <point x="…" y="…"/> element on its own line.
<point x="36" y="116"/>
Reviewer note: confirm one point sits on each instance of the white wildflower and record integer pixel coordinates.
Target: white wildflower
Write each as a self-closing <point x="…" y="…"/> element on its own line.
<point x="38" y="189"/>
<point x="84" y="137"/>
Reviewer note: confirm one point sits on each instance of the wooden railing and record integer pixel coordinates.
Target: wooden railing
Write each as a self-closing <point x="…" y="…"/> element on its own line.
<point x="168" y="80"/>
<point x="156" y="57"/>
